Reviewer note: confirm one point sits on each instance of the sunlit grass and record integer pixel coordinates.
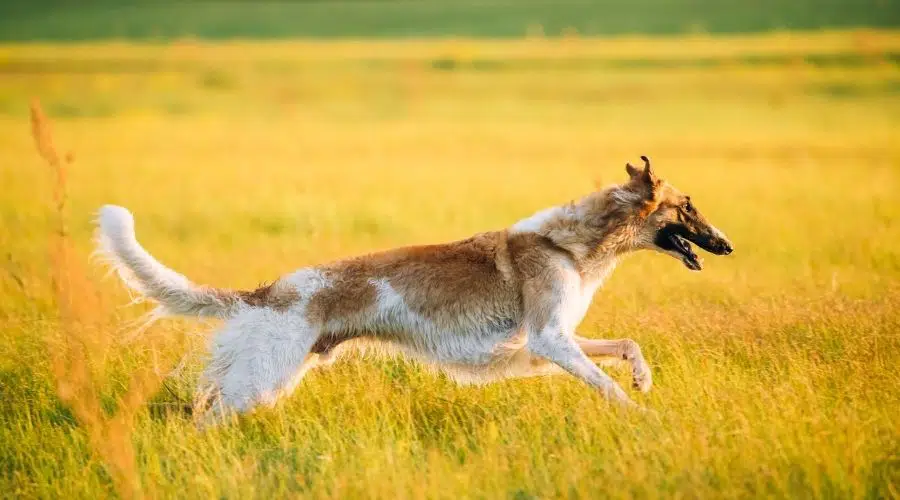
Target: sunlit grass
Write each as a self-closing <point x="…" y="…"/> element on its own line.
<point x="775" y="368"/>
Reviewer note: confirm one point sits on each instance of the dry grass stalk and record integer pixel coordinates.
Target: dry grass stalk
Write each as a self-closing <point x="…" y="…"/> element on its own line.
<point x="83" y="341"/>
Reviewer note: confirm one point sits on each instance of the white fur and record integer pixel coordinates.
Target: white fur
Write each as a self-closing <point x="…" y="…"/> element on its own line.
<point x="176" y="295"/>
<point x="557" y="341"/>
<point x="578" y="293"/>
<point x="626" y="197"/>
<point x="536" y="222"/>
<point x="259" y="354"/>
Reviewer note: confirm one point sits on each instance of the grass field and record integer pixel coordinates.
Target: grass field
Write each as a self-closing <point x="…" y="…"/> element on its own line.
<point x="775" y="368"/>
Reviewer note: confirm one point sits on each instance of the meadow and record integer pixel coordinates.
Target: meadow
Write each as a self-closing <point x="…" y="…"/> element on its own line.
<point x="775" y="368"/>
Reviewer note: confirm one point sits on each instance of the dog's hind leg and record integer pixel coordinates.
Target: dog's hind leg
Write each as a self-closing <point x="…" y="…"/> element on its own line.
<point x="259" y="356"/>
<point x="623" y="349"/>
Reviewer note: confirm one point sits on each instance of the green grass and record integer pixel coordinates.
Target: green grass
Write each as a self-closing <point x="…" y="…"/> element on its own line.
<point x="61" y="20"/>
<point x="775" y="368"/>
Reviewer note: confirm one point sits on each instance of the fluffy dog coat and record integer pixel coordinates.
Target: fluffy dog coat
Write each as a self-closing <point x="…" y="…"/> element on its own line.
<point x="499" y="304"/>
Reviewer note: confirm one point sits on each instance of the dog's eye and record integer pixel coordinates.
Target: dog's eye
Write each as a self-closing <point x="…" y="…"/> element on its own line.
<point x="688" y="207"/>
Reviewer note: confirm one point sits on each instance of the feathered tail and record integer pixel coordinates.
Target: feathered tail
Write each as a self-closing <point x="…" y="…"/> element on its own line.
<point x="176" y="295"/>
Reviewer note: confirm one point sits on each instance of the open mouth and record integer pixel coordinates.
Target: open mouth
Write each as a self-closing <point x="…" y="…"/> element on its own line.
<point x="673" y="240"/>
<point x="676" y="239"/>
<point x="683" y="247"/>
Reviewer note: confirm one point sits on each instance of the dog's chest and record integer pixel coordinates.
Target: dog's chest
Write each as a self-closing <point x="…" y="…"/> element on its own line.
<point x="579" y="293"/>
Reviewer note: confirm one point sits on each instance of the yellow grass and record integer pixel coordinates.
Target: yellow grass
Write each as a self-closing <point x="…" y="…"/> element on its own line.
<point x="188" y="50"/>
<point x="775" y="369"/>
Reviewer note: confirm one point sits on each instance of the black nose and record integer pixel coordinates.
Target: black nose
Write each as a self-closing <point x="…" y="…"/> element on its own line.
<point x="727" y="248"/>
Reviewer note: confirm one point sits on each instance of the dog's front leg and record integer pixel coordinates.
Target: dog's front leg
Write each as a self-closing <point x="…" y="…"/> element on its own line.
<point x="562" y="349"/>
<point x="626" y="349"/>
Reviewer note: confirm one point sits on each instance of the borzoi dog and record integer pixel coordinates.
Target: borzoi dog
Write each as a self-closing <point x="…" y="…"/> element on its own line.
<point x="497" y="305"/>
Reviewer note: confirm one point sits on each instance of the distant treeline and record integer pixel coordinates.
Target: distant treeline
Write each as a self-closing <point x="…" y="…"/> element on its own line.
<point x="148" y="19"/>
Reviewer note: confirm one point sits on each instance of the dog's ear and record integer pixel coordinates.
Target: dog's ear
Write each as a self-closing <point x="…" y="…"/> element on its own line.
<point x="633" y="171"/>
<point x="643" y="180"/>
<point x="644" y="176"/>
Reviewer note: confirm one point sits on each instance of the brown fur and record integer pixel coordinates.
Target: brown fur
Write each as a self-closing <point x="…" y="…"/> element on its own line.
<point x="492" y="270"/>
<point x="350" y="293"/>
<point x="273" y="295"/>
<point x="606" y="228"/>
<point x="435" y="280"/>
<point x="440" y="282"/>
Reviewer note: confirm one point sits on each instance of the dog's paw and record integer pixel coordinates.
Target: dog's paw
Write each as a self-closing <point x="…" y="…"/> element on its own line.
<point x="642" y="379"/>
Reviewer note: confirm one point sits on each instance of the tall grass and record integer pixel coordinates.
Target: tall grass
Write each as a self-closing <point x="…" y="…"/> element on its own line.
<point x="82" y="344"/>
<point x="774" y="368"/>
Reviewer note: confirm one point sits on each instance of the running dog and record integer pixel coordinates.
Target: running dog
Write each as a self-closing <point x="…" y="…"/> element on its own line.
<point x="497" y="305"/>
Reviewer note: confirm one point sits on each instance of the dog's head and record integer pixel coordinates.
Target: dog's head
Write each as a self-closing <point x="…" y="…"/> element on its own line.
<point x="669" y="219"/>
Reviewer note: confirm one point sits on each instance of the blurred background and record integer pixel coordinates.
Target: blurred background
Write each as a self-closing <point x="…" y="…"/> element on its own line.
<point x="253" y="138"/>
<point x="148" y="19"/>
<point x="311" y="106"/>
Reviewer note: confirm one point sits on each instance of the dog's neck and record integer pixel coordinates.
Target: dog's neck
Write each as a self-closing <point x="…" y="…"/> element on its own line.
<point x="595" y="230"/>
